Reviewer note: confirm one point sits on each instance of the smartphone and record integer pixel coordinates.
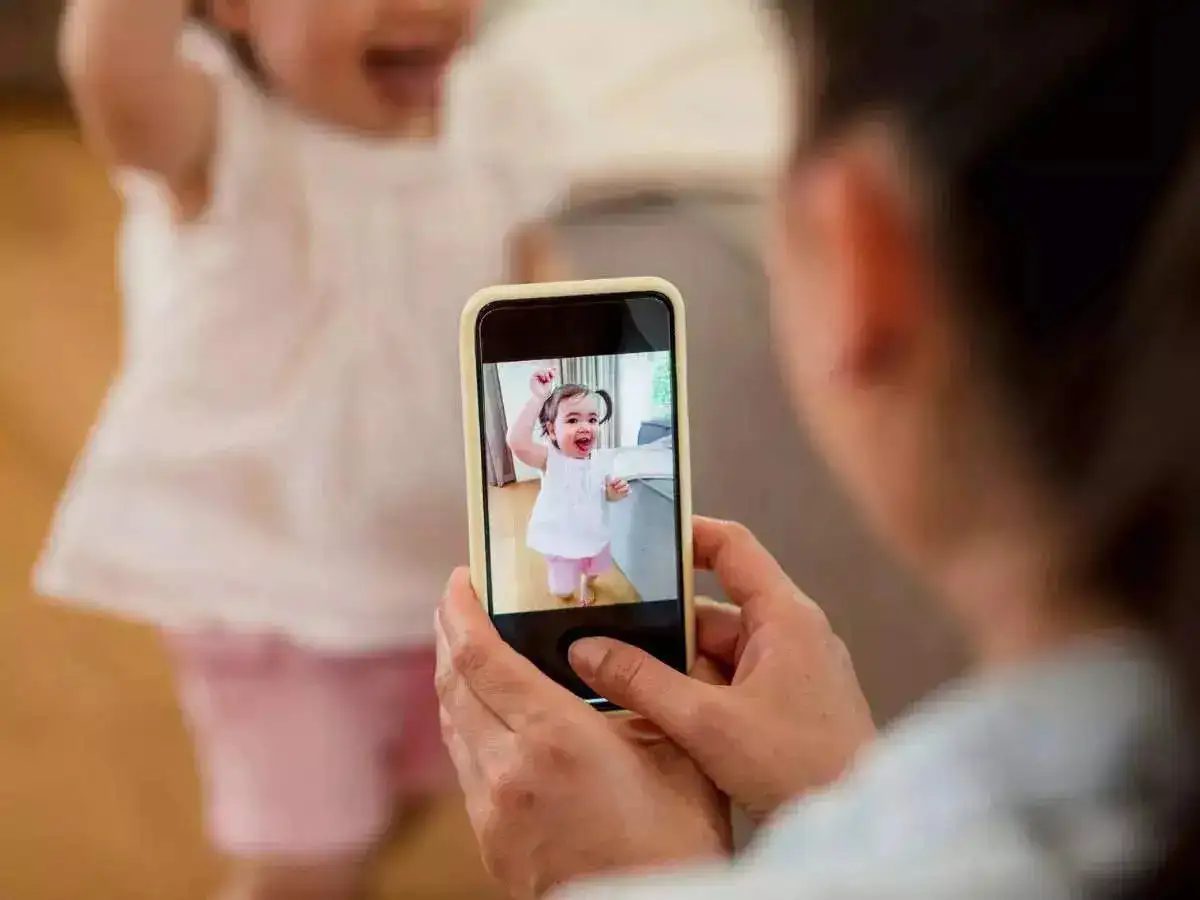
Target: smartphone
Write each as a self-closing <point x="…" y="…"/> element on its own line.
<point x="579" y="483"/>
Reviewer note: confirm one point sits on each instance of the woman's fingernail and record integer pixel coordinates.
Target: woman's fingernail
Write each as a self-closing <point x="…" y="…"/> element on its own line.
<point x="586" y="654"/>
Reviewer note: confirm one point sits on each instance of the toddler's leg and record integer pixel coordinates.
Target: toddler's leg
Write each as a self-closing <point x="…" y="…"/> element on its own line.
<point x="592" y="569"/>
<point x="563" y="576"/>
<point x="292" y="755"/>
<point x="420" y="765"/>
<point x="599" y="564"/>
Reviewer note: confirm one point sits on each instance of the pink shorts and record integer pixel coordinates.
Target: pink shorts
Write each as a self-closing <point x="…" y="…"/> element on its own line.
<point x="564" y="574"/>
<point x="304" y="755"/>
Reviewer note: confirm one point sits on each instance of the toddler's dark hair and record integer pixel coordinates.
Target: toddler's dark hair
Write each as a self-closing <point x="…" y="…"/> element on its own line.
<point x="549" y="410"/>
<point x="1058" y="143"/>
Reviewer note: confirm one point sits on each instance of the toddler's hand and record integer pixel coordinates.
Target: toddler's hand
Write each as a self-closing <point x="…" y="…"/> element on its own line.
<point x="618" y="489"/>
<point x="542" y="383"/>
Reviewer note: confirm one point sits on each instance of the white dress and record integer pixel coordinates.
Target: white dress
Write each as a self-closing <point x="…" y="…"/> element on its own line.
<point x="570" y="517"/>
<point x="281" y="450"/>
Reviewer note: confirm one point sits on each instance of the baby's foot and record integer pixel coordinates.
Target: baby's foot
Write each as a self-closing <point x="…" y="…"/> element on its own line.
<point x="586" y="595"/>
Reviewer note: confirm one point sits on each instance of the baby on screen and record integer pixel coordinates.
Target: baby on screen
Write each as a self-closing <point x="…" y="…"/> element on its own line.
<point x="569" y="525"/>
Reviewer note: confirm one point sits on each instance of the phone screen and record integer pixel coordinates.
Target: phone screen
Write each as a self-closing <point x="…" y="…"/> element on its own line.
<point x="578" y="417"/>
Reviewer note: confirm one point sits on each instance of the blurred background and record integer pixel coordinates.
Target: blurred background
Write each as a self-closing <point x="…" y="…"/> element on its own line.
<point x="681" y="111"/>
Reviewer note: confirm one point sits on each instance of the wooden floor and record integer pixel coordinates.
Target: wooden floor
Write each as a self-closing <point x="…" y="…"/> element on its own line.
<point x="518" y="573"/>
<point x="98" y="798"/>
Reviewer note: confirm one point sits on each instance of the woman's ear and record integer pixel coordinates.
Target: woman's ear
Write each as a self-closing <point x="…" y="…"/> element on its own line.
<point x="231" y="15"/>
<point x="862" y="202"/>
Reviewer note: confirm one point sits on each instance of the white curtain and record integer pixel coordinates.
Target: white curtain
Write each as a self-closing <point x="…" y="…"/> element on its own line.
<point x="600" y="374"/>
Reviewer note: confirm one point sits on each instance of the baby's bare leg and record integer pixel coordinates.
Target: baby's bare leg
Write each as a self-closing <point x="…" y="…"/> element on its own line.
<point x="587" y="596"/>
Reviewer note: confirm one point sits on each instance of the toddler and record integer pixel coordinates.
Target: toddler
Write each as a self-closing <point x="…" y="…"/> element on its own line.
<point x="569" y="525"/>
<point x="311" y="190"/>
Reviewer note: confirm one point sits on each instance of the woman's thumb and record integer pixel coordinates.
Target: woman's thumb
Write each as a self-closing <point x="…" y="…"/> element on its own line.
<point x="636" y="681"/>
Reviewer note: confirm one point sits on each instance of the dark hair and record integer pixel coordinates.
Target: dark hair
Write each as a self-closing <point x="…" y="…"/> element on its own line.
<point x="549" y="410"/>
<point x="239" y="44"/>
<point x="1058" y="143"/>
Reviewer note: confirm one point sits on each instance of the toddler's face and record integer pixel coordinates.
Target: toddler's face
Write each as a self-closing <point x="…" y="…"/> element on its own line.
<point x="577" y="426"/>
<point x="376" y="66"/>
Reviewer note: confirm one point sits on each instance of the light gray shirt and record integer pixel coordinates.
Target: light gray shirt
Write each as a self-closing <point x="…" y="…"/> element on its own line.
<point x="1044" y="783"/>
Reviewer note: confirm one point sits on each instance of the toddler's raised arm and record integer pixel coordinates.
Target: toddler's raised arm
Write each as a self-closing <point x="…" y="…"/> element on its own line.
<point x="140" y="103"/>
<point x="520" y="434"/>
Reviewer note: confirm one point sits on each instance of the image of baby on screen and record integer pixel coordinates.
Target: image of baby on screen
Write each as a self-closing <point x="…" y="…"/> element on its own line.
<point x="569" y="525"/>
<point x="580" y="477"/>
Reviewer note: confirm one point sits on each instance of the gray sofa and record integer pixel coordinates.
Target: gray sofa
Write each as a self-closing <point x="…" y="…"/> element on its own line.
<point x="749" y="462"/>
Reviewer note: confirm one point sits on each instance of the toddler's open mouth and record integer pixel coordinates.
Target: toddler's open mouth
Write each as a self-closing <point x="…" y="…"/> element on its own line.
<point x="408" y="77"/>
<point x="583" y="444"/>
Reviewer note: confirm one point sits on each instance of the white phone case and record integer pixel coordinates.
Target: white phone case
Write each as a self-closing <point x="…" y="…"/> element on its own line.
<point x="474" y="439"/>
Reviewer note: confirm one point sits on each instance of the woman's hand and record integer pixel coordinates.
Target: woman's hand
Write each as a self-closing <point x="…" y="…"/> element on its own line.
<point x="541" y="383"/>
<point x="792" y="715"/>
<point x="556" y="790"/>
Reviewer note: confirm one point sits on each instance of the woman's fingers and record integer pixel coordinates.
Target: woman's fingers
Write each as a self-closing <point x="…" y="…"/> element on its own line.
<point x="732" y="553"/>
<point x="472" y="654"/>
<point x="750" y="575"/>
<point x="462" y="712"/>
<point x="718" y="631"/>
<point x="640" y="683"/>
<point x="460" y="753"/>
<point x="709" y="671"/>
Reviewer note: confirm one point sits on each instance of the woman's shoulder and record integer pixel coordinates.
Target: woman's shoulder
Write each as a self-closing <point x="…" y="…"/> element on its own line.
<point x="982" y="865"/>
<point x="1076" y="758"/>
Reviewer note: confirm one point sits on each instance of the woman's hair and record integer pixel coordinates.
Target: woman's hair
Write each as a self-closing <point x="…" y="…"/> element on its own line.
<point x="1056" y="141"/>
<point x="549" y="410"/>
